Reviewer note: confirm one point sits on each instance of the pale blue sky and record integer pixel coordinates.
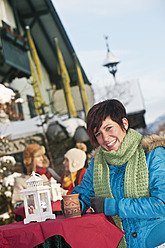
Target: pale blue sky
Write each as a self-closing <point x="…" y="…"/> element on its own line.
<point x="136" y="30"/>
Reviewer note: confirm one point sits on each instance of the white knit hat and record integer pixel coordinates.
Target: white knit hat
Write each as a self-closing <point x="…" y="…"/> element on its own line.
<point x="76" y="159"/>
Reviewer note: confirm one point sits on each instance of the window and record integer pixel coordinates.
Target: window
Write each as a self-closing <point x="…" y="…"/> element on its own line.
<point x="31" y="106"/>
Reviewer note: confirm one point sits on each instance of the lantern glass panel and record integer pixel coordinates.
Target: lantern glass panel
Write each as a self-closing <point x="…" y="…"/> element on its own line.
<point x="32" y="209"/>
<point x="44" y="202"/>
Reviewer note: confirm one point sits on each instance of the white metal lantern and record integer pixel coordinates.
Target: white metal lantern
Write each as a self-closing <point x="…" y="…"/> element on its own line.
<point x="37" y="201"/>
<point x="55" y="190"/>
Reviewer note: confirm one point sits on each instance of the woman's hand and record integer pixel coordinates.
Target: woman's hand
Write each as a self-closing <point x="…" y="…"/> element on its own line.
<point x="97" y="203"/>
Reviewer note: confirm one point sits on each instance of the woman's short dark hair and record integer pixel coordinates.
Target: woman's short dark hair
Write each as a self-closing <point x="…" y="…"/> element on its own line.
<point x="99" y="112"/>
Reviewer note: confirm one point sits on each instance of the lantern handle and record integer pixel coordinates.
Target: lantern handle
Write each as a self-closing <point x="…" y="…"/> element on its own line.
<point x="35" y="174"/>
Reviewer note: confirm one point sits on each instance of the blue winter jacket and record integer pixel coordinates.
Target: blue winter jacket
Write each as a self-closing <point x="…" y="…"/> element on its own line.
<point x="143" y="218"/>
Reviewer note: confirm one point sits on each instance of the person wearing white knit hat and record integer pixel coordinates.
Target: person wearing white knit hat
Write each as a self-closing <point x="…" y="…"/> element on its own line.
<point x="74" y="161"/>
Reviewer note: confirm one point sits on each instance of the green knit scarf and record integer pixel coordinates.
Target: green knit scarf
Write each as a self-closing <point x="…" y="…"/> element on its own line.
<point x="136" y="182"/>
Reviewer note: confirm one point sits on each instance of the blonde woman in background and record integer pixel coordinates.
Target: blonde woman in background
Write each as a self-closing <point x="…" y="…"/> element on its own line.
<point x="34" y="159"/>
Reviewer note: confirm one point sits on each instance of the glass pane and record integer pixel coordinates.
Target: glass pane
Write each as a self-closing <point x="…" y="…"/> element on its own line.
<point x="31" y="204"/>
<point x="44" y="202"/>
<point x="31" y="105"/>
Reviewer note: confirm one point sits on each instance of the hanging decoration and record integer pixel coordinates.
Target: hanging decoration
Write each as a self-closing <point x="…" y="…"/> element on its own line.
<point x="66" y="83"/>
<point x="82" y="86"/>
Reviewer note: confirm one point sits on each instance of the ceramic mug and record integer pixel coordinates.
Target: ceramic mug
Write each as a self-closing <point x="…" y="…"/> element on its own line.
<point x="71" y="206"/>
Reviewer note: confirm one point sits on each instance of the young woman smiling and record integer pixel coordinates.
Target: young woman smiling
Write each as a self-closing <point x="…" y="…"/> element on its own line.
<point x="126" y="177"/>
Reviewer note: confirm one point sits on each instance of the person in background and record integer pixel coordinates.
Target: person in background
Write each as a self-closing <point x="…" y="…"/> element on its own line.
<point x="34" y="159"/>
<point x="74" y="161"/>
<point x="126" y="177"/>
<point x="83" y="147"/>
